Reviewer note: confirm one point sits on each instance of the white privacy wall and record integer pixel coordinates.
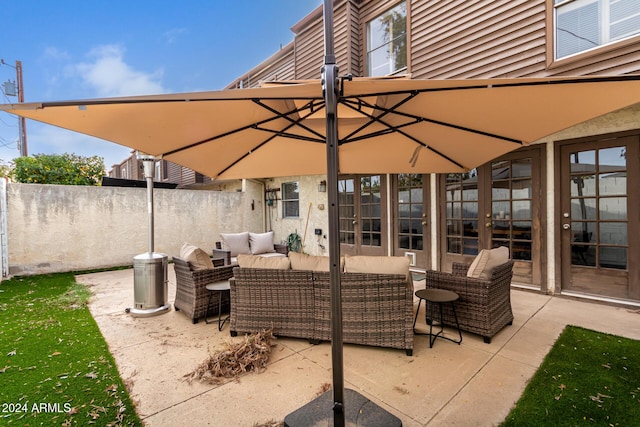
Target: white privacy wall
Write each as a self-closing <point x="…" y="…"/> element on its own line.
<point x="53" y="228"/>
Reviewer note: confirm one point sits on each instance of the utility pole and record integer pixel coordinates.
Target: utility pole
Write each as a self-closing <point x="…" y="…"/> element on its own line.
<point x="22" y="123"/>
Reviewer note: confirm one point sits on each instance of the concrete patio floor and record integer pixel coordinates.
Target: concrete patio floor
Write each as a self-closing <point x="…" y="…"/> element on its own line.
<point x="473" y="384"/>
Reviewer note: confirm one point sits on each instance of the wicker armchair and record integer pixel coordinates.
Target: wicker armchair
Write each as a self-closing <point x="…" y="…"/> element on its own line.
<point x="484" y="307"/>
<point x="191" y="294"/>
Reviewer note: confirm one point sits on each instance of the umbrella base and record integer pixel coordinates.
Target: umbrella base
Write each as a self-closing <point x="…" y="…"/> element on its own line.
<point x="359" y="411"/>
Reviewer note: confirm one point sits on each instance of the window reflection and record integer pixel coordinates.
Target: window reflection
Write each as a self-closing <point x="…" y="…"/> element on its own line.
<point x="462" y="212"/>
<point x="599" y="208"/>
<point x="512" y="207"/>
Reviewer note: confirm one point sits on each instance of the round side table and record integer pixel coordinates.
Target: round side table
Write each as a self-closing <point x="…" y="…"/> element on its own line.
<point x="219" y="288"/>
<point x="439" y="297"/>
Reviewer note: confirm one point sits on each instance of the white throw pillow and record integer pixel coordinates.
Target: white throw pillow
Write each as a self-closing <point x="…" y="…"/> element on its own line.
<point x="495" y="258"/>
<point x="261" y="243"/>
<point x="236" y="243"/>
<point x="478" y="264"/>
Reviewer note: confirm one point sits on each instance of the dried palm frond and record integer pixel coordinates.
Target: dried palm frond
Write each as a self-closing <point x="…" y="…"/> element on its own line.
<point x="250" y="355"/>
<point x="270" y="423"/>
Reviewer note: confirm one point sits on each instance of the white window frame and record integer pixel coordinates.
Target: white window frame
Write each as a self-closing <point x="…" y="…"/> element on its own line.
<point x="287" y="202"/>
<point x="370" y="49"/>
<point x="604" y="24"/>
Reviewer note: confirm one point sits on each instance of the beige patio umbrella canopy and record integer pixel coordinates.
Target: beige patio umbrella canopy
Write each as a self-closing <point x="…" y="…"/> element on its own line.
<point x="385" y="125"/>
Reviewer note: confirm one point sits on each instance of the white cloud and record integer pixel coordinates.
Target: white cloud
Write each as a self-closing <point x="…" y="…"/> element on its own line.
<point x="53" y="53"/>
<point x="172" y="35"/>
<point x="48" y="139"/>
<point x="109" y="75"/>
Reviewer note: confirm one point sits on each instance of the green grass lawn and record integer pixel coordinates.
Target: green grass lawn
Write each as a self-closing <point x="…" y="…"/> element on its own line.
<point x="55" y="366"/>
<point x="588" y="378"/>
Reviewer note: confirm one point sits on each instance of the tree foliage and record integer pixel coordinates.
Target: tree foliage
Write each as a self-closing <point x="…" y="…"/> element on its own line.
<point x="6" y="169"/>
<point x="66" y="169"/>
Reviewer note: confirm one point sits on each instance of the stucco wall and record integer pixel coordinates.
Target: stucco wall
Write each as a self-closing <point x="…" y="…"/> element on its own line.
<point x="313" y="213"/>
<point x="53" y="228"/>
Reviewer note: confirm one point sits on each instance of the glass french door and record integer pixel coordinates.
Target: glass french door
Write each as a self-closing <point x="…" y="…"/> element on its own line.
<point x="599" y="217"/>
<point x="362" y="202"/>
<point x="411" y="236"/>
<point x="496" y="204"/>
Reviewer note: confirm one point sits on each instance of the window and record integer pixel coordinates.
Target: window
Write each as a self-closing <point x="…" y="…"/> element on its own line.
<point x="290" y="200"/>
<point x="462" y="213"/>
<point x="581" y="25"/>
<point x="158" y="171"/>
<point x="387" y="42"/>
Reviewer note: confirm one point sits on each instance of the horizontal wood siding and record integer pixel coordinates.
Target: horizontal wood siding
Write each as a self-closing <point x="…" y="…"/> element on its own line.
<point x="354" y="63"/>
<point x="309" y="43"/>
<point x="174" y="172"/>
<point x="617" y="61"/>
<point x="490" y="39"/>
<point x="283" y="69"/>
<point x="309" y="51"/>
<point x="450" y="40"/>
<point x="477" y="39"/>
<point x="342" y="38"/>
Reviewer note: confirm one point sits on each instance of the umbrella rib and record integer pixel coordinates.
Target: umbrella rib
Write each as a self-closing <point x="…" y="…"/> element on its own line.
<point x="416" y="119"/>
<point x="391" y="129"/>
<point x="276" y="133"/>
<point x="240" y="129"/>
<point x="297" y="122"/>
<point x="290" y="135"/>
<point x="360" y="102"/>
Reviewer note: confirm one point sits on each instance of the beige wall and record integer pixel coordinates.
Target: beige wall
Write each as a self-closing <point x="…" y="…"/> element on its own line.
<point x="53" y="228"/>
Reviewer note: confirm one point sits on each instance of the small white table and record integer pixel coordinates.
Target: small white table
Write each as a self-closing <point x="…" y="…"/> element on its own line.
<point x="219" y="288"/>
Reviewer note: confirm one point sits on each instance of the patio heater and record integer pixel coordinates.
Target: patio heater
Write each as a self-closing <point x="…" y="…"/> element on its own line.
<point x="149" y="268"/>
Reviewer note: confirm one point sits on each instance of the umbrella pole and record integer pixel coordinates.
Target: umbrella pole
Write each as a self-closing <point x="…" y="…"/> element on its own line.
<point x="330" y="88"/>
<point x="361" y="411"/>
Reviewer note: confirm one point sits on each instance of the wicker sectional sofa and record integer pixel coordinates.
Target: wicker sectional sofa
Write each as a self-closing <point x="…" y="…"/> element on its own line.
<point x="377" y="308"/>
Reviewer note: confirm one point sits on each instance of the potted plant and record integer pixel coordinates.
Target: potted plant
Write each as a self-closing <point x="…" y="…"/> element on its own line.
<point x="294" y="242"/>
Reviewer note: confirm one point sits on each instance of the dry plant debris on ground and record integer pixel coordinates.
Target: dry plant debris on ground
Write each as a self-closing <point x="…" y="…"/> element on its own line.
<point x="324" y="387"/>
<point x="252" y="354"/>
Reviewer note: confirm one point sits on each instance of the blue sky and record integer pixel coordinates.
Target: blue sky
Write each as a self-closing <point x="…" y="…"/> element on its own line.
<point x="77" y="49"/>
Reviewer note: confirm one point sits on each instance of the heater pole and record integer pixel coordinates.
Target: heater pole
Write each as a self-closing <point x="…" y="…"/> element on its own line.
<point x="150" y="211"/>
<point x="149" y="165"/>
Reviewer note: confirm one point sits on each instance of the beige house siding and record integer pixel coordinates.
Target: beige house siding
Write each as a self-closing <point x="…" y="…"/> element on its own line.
<point x="309" y="51"/>
<point x="280" y="66"/>
<point x="482" y="39"/>
<point x="455" y="39"/>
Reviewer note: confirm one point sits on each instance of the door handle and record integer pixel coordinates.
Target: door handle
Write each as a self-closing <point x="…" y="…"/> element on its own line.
<point x="488" y="225"/>
<point x="566" y="226"/>
<point x="424" y="222"/>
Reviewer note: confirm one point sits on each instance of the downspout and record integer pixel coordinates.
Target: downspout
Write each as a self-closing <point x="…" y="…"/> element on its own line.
<point x="263" y="195"/>
<point x="390" y="231"/>
<point x="435" y="236"/>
